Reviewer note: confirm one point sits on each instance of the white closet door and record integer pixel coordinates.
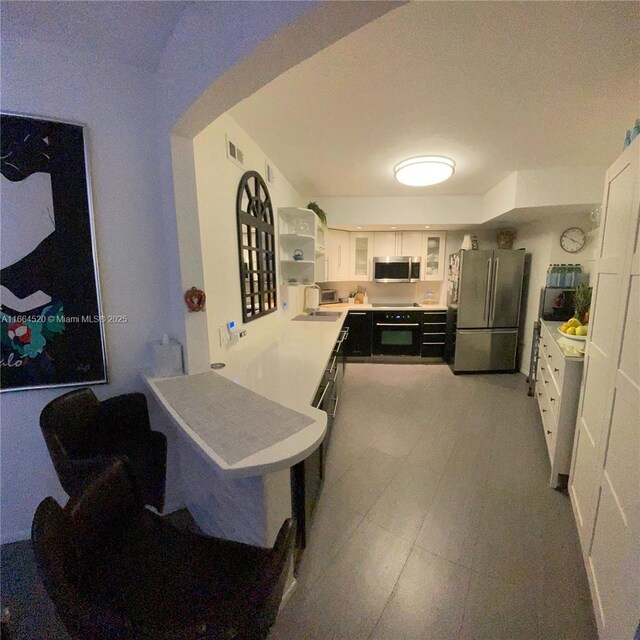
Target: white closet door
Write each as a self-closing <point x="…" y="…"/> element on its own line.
<point x="605" y="477"/>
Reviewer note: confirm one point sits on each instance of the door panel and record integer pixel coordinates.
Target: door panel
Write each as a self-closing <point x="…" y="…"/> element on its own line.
<point x="507" y="288"/>
<point x="473" y="295"/>
<point x="613" y="547"/>
<point x="605" y="474"/>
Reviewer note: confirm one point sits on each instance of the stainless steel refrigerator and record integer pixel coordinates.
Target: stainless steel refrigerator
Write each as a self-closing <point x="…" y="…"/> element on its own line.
<point x="485" y="290"/>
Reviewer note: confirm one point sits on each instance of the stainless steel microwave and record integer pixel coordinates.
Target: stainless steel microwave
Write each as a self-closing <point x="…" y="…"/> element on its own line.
<point x="396" y="269"/>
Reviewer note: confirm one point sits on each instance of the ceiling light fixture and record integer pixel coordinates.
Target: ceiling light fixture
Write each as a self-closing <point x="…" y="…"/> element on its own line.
<point x="423" y="171"/>
<point x="427" y="226"/>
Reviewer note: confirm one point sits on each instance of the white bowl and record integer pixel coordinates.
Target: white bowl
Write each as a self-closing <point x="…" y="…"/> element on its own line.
<point x="578" y="338"/>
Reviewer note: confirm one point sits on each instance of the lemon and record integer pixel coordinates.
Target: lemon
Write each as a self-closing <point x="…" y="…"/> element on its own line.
<point x="571" y="331"/>
<point x="564" y="328"/>
<point x="574" y="322"/>
<point x="581" y="331"/>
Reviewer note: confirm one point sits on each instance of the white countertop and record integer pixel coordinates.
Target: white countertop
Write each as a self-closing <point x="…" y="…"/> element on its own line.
<point x="369" y="307"/>
<point x="570" y="348"/>
<point x="286" y="368"/>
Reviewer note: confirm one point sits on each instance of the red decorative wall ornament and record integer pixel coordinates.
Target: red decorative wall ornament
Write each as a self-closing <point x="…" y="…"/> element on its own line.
<point x="195" y="299"/>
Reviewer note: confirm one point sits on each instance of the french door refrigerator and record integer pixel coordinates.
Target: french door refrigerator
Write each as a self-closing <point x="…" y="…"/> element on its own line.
<point x="487" y="288"/>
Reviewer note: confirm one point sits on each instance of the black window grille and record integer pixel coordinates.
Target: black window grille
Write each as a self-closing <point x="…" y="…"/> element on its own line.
<point x="256" y="247"/>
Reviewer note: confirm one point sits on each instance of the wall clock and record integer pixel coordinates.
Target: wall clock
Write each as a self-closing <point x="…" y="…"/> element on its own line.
<point x="573" y="239"/>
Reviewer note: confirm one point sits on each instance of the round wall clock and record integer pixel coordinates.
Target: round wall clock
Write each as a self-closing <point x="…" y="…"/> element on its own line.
<point x="573" y="239"/>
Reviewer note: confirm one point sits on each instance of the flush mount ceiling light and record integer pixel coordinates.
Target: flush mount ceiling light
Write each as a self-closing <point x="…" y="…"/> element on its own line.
<point x="424" y="170"/>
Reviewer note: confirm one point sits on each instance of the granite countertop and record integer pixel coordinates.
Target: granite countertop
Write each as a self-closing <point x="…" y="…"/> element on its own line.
<point x="570" y="348"/>
<point x="285" y="367"/>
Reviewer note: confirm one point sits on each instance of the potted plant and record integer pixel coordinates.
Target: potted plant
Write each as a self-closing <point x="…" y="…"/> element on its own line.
<point x="322" y="216"/>
<point x="582" y="302"/>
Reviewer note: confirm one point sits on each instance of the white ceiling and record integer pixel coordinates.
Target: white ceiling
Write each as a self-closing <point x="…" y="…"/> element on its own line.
<point x="129" y="32"/>
<point x="497" y="86"/>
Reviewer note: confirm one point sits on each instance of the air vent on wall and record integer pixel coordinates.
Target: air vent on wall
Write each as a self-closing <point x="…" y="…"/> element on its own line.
<point x="268" y="172"/>
<point x="234" y="153"/>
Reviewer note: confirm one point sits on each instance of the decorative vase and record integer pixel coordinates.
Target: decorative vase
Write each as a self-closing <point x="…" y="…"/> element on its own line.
<point x="466" y="242"/>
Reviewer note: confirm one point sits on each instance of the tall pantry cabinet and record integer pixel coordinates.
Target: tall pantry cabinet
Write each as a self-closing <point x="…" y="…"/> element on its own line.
<point x="604" y="484"/>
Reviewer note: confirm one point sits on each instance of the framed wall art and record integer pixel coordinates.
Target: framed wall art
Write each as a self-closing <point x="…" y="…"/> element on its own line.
<point x="51" y="325"/>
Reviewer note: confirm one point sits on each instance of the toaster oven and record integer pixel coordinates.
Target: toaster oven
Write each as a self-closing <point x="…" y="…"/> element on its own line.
<point x="328" y="295"/>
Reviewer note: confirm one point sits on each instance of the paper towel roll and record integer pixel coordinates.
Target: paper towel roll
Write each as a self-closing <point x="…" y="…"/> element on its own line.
<point x="312" y="298"/>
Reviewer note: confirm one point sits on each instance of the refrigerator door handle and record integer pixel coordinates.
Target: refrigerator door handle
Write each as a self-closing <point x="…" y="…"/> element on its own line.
<point x="494" y="289"/>
<point x="487" y="295"/>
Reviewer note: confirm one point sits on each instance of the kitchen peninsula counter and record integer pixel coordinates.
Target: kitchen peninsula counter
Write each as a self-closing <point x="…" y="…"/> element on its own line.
<point x="248" y="501"/>
<point x="286" y="368"/>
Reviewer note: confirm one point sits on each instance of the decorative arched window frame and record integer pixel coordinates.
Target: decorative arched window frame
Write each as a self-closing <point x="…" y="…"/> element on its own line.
<point x="256" y="247"/>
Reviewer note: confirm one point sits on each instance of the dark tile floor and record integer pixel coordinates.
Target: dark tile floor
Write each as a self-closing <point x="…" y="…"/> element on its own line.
<point x="436" y="521"/>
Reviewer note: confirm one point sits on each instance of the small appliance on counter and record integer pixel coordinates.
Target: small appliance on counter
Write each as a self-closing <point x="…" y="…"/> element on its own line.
<point x="328" y="295"/>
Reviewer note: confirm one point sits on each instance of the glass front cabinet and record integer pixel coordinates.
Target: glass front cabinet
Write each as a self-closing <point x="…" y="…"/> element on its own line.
<point x="360" y="254"/>
<point x="434" y="250"/>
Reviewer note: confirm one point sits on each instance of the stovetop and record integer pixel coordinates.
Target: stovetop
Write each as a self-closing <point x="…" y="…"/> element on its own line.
<point x="395" y="304"/>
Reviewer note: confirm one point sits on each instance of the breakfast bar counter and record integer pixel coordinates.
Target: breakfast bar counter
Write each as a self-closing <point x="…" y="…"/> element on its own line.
<point x="247" y="499"/>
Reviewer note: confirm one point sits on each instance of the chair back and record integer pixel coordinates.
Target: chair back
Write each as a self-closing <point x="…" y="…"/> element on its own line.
<point x="67" y="421"/>
<point x="68" y="544"/>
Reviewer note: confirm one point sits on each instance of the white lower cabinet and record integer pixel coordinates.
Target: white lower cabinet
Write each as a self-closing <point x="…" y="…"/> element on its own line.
<point x="557" y="392"/>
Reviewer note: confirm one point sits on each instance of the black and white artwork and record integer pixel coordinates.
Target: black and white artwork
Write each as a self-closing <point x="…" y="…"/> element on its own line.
<point x="51" y="326"/>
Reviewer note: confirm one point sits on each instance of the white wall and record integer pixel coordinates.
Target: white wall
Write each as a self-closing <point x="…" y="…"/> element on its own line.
<point x="542" y="241"/>
<point x="402" y="210"/>
<point x="113" y="100"/>
<point x="217" y="181"/>
<point x="131" y="116"/>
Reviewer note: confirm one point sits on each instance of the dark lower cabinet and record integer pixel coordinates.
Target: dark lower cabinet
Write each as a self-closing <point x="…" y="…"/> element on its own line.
<point x="306" y="483"/>
<point x="434" y="325"/>
<point x="307" y="476"/>
<point x="358" y="342"/>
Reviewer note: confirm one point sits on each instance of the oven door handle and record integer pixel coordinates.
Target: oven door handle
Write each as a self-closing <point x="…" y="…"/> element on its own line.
<point x="397" y="324"/>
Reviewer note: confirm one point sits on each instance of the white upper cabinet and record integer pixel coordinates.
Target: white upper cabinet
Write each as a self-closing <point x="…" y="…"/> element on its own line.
<point x="360" y="254"/>
<point x="433" y="249"/>
<point x="411" y="243"/>
<point x="398" y="243"/>
<point x="384" y="243"/>
<point x="337" y="248"/>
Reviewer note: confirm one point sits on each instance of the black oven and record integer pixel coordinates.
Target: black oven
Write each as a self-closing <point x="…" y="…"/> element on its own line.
<point x="397" y="333"/>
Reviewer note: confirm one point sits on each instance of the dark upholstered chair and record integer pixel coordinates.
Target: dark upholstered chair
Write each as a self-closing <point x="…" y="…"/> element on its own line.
<point x="84" y="436"/>
<point x="116" y="570"/>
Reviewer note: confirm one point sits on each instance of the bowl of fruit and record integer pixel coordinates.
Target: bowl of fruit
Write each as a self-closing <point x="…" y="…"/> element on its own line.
<point x="574" y="330"/>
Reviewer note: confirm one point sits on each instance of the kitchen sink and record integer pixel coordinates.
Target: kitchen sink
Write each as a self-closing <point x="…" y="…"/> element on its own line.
<point x="318" y="316"/>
